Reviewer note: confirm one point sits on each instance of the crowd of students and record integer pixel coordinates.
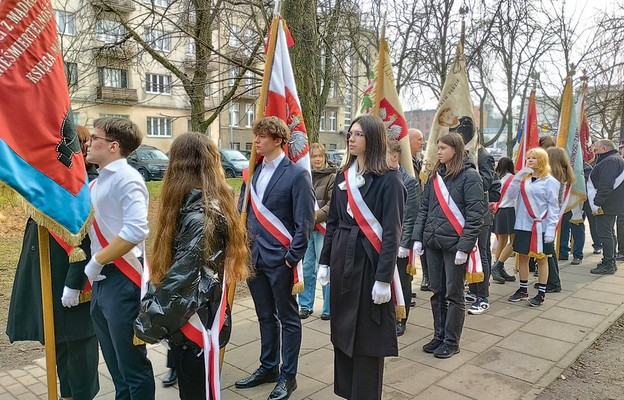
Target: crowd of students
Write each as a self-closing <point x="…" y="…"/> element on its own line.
<point x="358" y="232"/>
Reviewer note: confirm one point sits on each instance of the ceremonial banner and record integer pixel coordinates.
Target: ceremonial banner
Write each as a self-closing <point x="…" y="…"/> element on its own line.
<point x="381" y="98"/>
<point x="528" y="137"/>
<point x="568" y="139"/>
<point x="453" y="114"/>
<point x="39" y="148"/>
<point x="584" y="136"/>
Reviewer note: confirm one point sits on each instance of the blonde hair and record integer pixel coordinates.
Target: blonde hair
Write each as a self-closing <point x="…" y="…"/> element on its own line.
<point x="543" y="168"/>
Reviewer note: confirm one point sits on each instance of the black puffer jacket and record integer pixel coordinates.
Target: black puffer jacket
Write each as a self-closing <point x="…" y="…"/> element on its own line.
<point x="192" y="283"/>
<point x="434" y="229"/>
<point x="609" y="166"/>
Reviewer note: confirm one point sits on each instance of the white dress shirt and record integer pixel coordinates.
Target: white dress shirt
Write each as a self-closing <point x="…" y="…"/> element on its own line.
<point x="120" y="199"/>
<point x="268" y="168"/>
<point x="507" y="201"/>
<point x="545" y="196"/>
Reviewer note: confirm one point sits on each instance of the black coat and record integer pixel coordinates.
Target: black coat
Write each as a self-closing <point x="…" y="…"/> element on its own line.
<point x="193" y="282"/>
<point x="434" y="229"/>
<point x="25" y="320"/>
<point x="609" y="166"/>
<point x="491" y="184"/>
<point x="412" y="204"/>
<point x="359" y="326"/>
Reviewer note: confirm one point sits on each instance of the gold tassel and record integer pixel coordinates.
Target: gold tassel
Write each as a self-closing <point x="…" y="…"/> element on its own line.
<point x="535" y="255"/>
<point x="411" y="270"/>
<point x="137" y="342"/>
<point x="477" y="277"/>
<point x="77" y="254"/>
<point x="85" y="297"/>
<point x="297" y="288"/>
<point x="400" y="312"/>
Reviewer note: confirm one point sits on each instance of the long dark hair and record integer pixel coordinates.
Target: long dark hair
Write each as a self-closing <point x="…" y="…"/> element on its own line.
<point x="505" y="165"/>
<point x="456" y="164"/>
<point x="376" y="144"/>
<point x="195" y="163"/>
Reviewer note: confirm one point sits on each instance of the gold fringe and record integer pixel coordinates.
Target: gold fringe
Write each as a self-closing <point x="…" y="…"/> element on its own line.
<point x="44" y="220"/>
<point x="85" y="297"/>
<point x="536" y="255"/>
<point x="400" y="312"/>
<point x="297" y="288"/>
<point x="137" y="342"/>
<point x="599" y="212"/>
<point x="411" y="270"/>
<point x="474" y="278"/>
<point x="77" y="254"/>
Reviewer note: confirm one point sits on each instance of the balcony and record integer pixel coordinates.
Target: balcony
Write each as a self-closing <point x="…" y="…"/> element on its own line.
<point x="190" y="63"/>
<point x="108" y="94"/>
<point x="123" y="6"/>
<point x="118" y="52"/>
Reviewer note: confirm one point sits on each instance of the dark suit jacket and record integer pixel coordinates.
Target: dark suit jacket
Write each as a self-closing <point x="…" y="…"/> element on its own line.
<point x="290" y="197"/>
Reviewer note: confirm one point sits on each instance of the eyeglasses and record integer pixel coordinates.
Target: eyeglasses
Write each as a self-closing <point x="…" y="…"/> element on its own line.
<point x="95" y="137"/>
<point x="354" y="133"/>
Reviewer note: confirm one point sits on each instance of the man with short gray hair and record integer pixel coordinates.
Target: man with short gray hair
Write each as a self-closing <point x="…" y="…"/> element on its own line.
<point x="606" y="199"/>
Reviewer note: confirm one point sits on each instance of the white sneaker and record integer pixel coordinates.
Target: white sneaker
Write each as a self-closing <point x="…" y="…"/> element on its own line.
<point x="479" y="307"/>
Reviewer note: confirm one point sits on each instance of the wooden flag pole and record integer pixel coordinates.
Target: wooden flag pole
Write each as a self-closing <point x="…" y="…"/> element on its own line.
<point x="260" y="108"/>
<point x="48" y="312"/>
<point x="379" y="81"/>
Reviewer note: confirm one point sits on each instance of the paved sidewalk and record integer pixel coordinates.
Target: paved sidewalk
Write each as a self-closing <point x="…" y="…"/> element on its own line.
<point x="511" y="352"/>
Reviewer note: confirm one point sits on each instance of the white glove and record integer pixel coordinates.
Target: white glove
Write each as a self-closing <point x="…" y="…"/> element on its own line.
<point x="93" y="269"/>
<point x="418" y="249"/>
<point x="460" y="258"/>
<point x="381" y="292"/>
<point x="323" y="275"/>
<point x="523" y="172"/>
<point x="70" y="298"/>
<point x="549" y="239"/>
<point x="403" y="252"/>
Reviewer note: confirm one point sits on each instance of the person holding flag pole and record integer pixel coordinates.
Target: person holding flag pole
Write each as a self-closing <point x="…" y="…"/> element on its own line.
<point x="40" y="152"/>
<point x="281" y="217"/>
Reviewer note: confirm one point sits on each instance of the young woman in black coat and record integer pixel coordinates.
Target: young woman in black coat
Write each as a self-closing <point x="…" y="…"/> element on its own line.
<point x="363" y="319"/>
<point x="447" y="250"/>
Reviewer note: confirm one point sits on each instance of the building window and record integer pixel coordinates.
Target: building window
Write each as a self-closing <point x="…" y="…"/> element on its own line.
<point x="71" y="74"/>
<point x="111" y="77"/>
<point x="235" y="145"/>
<point x="250" y="116"/>
<point x="332" y="121"/>
<point x="347" y="115"/>
<point x="159" y="127"/>
<point x="65" y="22"/>
<point x="190" y="49"/>
<point x="160" y="3"/>
<point x="322" y="124"/>
<point x="332" y="146"/>
<point x="158" y="83"/>
<point x="233" y="75"/>
<point x="158" y="39"/>
<point x="250" y="81"/>
<point x="332" y="90"/>
<point x="105" y="115"/>
<point x="109" y="31"/>
<point x="234" y="114"/>
<point x="248" y="146"/>
<point x="234" y="39"/>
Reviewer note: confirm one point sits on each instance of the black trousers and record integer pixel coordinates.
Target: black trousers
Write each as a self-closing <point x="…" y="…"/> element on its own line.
<point x="447" y="302"/>
<point x="406" y="283"/>
<point x="114" y="307"/>
<point x="605" y="226"/>
<point x="188" y="361"/>
<point x="77" y="367"/>
<point x="553" y="266"/>
<point x="620" y="234"/>
<point x="482" y="289"/>
<point x="358" y="377"/>
<point x="593" y="231"/>
<point x="278" y="315"/>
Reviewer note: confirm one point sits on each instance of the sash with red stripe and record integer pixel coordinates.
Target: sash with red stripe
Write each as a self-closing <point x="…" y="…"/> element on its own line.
<point x="276" y="228"/>
<point x="85" y="293"/>
<point x="507" y="181"/>
<point x="373" y="231"/>
<point x="536" y="245"/>
<point x="474" y="268"/>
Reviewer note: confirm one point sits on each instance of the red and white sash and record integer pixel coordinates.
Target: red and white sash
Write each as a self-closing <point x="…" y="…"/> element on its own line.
<point x="474" y="268"/>
<point x="567" y="190"/>
<point x="505" y="182"/>
<point x="208" y="340"/>
<point x="536" y="246"/>
<point x="86" y="291"/>
<point x="373" y="231"/>
<point x="276" y="228"/>
<point x="321" y="226"/>
<point x="128" y="264"/>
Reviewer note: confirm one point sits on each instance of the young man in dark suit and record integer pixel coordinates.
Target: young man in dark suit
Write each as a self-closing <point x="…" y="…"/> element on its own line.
<point x="280" y="220"/>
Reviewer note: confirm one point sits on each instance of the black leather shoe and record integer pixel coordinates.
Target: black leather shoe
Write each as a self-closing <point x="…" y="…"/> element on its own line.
<point x="400" y="328"/>
<point x="283" y="389"/>
<point x="424" y="284"/>
<point x="303" y="314"/>
<point x="170" y="379"/>
<point x="259" y="377"/>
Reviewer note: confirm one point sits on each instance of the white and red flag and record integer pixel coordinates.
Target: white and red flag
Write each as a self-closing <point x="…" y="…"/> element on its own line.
<point x="529" y="136"/>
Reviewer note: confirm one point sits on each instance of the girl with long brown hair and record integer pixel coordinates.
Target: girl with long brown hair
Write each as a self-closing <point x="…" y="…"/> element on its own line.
<point x="199" y="244"/>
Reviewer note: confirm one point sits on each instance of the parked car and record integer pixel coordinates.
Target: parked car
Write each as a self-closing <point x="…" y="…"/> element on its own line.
<point x="233" y="163"/>
<point x="150" y="161"/>
<point x="334" y="157"/>
<point x="246" y="153"/>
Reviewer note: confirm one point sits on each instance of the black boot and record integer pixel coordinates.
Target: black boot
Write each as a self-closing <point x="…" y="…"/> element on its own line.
<point x="424" y="284"/>
<point x="496" y="272"/>
<point x="605" y="268"/>
<point x="170" y="379"/>
<point x="506" y="276"/>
